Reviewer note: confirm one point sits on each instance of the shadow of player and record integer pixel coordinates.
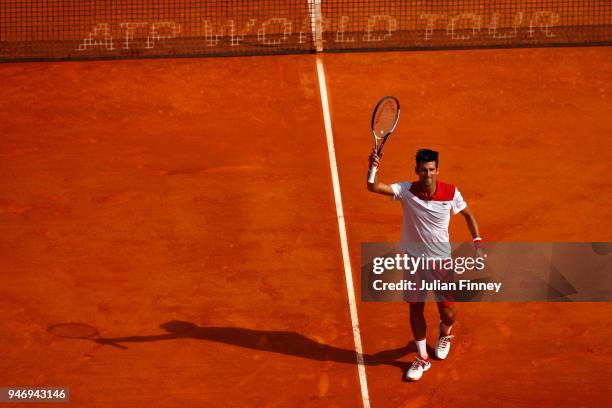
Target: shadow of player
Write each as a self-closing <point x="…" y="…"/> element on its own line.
<point x="282" y="342"/>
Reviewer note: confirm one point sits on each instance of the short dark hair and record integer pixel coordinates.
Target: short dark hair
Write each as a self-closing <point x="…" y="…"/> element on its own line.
<point x="426" y="155"/>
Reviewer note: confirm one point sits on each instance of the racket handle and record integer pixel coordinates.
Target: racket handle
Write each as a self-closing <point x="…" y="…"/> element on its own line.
<point x="372" y="174"/>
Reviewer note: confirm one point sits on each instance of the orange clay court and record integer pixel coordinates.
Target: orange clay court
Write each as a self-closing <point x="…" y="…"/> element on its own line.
<point x="184" y="209"/>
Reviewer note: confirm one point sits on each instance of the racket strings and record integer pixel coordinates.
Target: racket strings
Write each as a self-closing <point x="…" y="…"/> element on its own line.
<point x="385" y="118"/>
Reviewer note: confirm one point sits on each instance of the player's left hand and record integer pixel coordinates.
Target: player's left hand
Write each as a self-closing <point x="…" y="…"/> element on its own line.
<point x="480" y="253"/>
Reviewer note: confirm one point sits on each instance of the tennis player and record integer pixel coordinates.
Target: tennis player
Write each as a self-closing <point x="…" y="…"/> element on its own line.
<point x="427" y="205"/>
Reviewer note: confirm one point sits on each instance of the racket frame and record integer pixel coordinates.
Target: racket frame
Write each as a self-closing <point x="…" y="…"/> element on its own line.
<point x="378" y="148"/>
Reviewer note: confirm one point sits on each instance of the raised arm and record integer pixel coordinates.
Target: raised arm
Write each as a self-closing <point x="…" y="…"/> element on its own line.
<point x="378" y="186"/>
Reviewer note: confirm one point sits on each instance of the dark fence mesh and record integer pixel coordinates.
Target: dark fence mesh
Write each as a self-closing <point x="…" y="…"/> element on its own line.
<point x="77" y="29"/>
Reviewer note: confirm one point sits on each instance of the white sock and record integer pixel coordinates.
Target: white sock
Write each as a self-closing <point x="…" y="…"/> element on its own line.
<point x="445" y="330"/>
<point x="421" y="346"/>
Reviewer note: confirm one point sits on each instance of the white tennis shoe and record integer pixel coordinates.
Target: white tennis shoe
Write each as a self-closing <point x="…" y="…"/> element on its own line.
<point x="443" y="345"/>
<point x="418" y="367"/>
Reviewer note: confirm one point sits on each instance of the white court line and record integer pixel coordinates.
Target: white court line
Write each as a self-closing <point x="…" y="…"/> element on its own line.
<point x="350" y="288"/>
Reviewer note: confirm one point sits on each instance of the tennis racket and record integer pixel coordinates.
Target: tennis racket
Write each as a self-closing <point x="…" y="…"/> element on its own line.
<point x="384" y="120"/>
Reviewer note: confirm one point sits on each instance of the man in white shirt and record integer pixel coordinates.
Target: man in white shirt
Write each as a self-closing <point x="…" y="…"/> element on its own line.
<point x="427" y="205"/>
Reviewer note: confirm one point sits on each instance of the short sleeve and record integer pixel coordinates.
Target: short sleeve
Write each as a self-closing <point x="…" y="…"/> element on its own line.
<point x="458" y="204"/>
<point x="400" y="190"/>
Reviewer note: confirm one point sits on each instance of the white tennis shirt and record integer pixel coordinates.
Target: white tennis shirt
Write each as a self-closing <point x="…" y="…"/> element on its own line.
<point x="426" y="219"/>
